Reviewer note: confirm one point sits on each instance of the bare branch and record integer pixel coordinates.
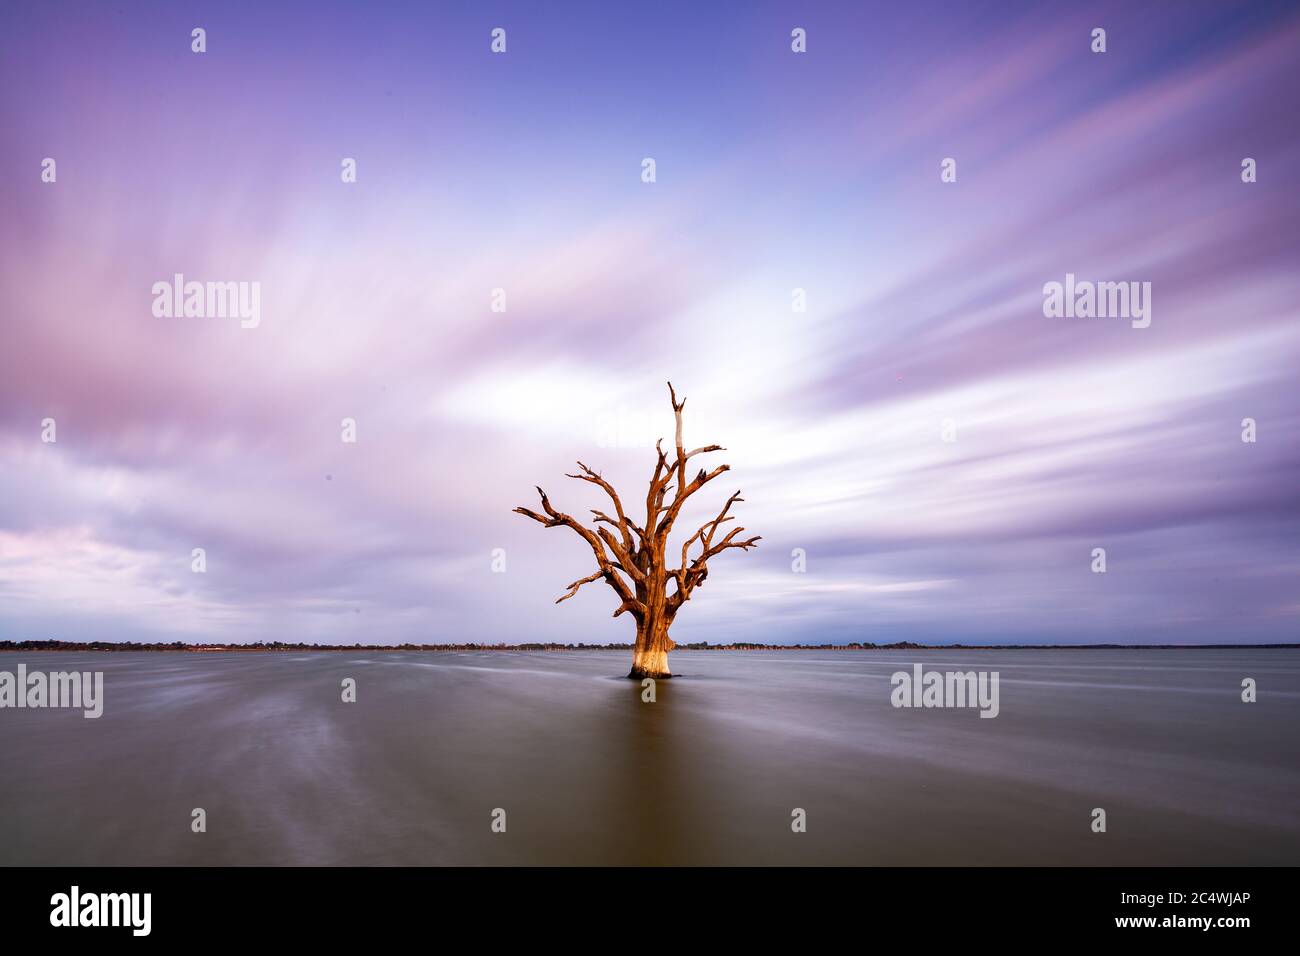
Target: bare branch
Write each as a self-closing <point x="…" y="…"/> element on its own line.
<point x="689" y="577"/>
<point x="728" y="543"/>
<point x="573" y="588"/>
<point x="623" y="525"/>
<point x="705" y="534"/>
<point x="625" y="561"/>
<point x="558" y="518"/>
<point x="672" y="396"/>
<point x="681" y="453"/>
<point x="658" y="483"/>
<point x="698" y="482"/>
<point x="534" y="515"/>
<point x="703" y="450"/>
<point x="636" y="607"/>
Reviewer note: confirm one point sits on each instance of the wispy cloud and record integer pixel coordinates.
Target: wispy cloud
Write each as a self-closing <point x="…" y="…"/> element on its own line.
<point x="924" y="311"/>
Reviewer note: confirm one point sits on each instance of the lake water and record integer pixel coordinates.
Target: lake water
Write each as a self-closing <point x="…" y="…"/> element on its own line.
<point x="707" y="774"/>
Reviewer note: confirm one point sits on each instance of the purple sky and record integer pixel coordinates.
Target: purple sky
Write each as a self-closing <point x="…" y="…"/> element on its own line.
<point x="775" y="170"/>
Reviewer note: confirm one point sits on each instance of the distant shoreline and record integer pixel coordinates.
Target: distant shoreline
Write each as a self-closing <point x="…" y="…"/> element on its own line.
<point x="110" y="647"/>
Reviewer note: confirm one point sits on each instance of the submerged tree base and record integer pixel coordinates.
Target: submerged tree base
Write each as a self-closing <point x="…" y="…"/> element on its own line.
<point x="651" y="661"/>
<point x="640" y="673"/>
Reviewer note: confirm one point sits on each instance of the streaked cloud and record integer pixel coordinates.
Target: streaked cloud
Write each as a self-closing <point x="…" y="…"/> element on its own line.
<point x="924" y="307"/>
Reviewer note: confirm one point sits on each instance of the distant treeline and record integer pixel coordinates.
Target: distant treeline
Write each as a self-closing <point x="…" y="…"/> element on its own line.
<point x="115" y="646"/>
<point x="282" y="646"/>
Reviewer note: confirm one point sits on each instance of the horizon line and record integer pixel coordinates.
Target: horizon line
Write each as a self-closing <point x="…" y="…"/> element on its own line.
<point x="263" y="646"/>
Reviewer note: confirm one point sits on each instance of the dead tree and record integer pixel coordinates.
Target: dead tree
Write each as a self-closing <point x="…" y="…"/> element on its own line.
<point x="632" y="558"/>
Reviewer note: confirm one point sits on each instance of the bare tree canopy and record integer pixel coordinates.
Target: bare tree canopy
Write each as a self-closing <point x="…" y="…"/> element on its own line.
<point x="632" y="559"/>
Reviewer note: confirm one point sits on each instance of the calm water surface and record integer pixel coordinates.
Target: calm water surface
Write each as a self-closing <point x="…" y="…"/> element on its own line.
<point x="708" y="774"/>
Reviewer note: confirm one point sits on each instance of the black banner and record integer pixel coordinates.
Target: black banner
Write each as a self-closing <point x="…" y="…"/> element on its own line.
<point x="331" y="905"/>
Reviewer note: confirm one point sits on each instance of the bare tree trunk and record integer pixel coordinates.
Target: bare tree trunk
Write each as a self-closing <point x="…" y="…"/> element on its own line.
<point x="650" y="656"/>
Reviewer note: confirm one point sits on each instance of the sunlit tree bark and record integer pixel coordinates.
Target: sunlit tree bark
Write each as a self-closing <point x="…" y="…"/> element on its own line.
<point x="633" y="559"/>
